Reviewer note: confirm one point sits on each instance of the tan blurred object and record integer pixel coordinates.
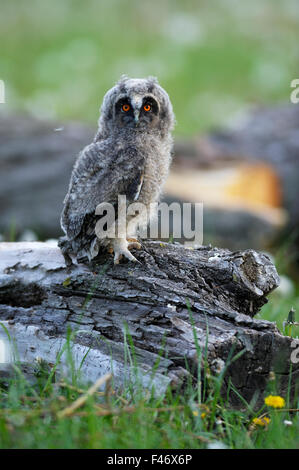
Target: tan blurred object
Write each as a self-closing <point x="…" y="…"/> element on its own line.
<point x="249" y="187"/>
<point x="247" y="177"/>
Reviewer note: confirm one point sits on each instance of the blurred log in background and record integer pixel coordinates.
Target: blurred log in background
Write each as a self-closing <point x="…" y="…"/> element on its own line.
<point x="247" y="177"/>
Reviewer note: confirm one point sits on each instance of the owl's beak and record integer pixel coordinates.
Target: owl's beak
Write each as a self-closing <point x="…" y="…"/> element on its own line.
<point x="136" y="115"/>
<point x="136" y="102"/>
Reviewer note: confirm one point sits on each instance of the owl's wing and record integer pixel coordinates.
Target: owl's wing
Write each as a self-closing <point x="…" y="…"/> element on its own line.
<point x="100" y="175"/>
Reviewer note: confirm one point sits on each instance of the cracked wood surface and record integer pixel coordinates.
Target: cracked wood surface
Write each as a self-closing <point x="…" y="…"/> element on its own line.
<point x="156" y="302"/>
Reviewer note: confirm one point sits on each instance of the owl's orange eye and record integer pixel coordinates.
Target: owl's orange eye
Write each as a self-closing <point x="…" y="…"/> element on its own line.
<point x="125" y="107"/>
<point x="147" y="107"/>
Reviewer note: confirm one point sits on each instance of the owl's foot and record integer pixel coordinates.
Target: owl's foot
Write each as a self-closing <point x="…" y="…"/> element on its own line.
<point x="133" y="243"/>
<point x="132" y="240"/>
<point x="110" y="249"/>
<point x="121" y="248"/>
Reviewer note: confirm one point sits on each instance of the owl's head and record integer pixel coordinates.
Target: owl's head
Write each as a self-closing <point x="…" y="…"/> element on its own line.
<point x="138" y="104"/>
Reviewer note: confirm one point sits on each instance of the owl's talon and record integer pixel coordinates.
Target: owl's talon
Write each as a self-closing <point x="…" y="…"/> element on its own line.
<point x="121" y="248"/>
<point x="126" y="253"/>
<point x="136" y="245"/>
<point x="117" y="258"/>
<point x="133" y="243"/>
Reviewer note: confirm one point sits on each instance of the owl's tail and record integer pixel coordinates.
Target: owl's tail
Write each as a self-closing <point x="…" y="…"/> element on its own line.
<point x="66" y="248"/>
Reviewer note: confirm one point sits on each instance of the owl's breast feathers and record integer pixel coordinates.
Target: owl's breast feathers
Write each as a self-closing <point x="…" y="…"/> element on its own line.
<point x="101" y="173"/>
<point x="134" y="188"/>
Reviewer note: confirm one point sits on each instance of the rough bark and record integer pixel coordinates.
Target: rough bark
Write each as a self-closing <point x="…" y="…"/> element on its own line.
<point x="39" y="298"/>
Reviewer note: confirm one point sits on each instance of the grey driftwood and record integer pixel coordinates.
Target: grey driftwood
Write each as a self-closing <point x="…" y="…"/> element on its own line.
<point x="153" y="303"/>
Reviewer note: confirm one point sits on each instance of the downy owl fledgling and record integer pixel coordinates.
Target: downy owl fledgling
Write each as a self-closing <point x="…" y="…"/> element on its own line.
<point x="130" y="155"/>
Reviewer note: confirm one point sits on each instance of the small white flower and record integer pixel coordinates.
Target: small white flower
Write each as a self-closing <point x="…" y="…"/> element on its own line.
<point x="216" y="445"/>
<point x="288" y="423"/>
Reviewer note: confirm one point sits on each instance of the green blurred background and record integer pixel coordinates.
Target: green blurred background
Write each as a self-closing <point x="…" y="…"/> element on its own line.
<point x="215" y="58"/>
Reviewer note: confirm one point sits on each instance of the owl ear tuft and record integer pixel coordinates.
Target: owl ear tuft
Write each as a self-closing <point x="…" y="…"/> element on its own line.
<point x="124" y="78"/>
<point x="121" y="83"/>
<point x="152" y="81"/>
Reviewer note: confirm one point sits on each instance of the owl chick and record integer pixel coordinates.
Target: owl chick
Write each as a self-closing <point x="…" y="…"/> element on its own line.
<point x="130" y="156"/>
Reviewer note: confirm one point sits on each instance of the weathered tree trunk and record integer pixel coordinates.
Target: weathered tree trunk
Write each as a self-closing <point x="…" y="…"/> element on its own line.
<point x="39" y="298"/>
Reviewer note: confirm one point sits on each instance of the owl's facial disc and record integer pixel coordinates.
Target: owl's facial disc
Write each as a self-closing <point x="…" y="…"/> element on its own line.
<point x="137" y="111"/>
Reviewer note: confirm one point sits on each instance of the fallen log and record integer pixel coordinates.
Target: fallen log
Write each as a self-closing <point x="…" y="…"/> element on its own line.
<point x="173" y="295"/>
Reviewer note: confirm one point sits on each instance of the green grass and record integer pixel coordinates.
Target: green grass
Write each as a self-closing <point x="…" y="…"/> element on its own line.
<point x="286" y="297"/>
<point x="137" y="418"/>
<point x="32" y="413"/>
